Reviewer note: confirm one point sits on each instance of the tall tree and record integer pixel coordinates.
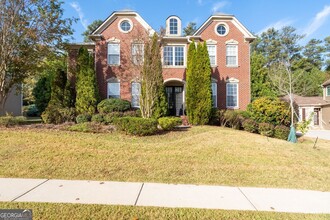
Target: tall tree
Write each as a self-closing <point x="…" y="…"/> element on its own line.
<point x="153" y="101"/>
<point x="313" y="52"/>
<point x="30" y="30"/>
<point x="90" y="28"/>
<point x="86" y="86"/>
<point x="199" y="104"/>
<point x="327" y="48"/>
<point x="190" y="29"/>
<point x="192" y="86"/>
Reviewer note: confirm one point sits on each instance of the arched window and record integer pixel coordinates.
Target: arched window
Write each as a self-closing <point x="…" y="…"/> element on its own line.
<point x="173" y="26"/>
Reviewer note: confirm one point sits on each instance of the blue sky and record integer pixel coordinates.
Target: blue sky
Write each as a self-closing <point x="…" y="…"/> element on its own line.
<point x="309" y="17"/>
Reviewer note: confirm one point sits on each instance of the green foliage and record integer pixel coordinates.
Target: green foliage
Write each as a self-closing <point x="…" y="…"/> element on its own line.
<point x="69" y="96"/>
<point x="90" y="28"/>
<point x="86" y="85"/>
<point x="82" y="118"/>
<point x="270" y="110"/>
<point x="303" y="125"/>
<point x="31" y="111"/>
<point x="281" y="132"/>
<point x="132" y="113"/>
<point x="42" y="92"/>
<point x="153" y="102"/>
<point x="168" y="123"/>
<point x="97" y="118"/>
<point x="230" y="118"/>
<point x="137" y="126"/>
<point x="8" y="120"/>
<point x="215" y="117"/>
<point x="58" y="88"/>
<point x="250" y="125"/>
<point x="199" y="101"/>
<point x="266" y="129"/>
<point x="110" y="117"/>
<point x="88" y="127"/>
<point x="190" y="29"/>
<point x="113" y="105"/>
<point x="57" y="115"/>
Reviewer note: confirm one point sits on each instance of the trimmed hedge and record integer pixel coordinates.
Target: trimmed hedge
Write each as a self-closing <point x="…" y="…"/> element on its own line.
<point x="98" y="118"/>
<point x="250" y="125"/>
<point x="113" y="105"/>
<point x="82" y="118"/>
<point x="137" y="126"/>
<point x="57" y="115"/>
<point x="230" y="118"/>
<point x="110" y="117"/>
<point x="168" y="123"/>
<point x="7" y="121"/>
<point x="281" y="132"/>
<point x="86" y="127"/>
<point x="266" y="129"/>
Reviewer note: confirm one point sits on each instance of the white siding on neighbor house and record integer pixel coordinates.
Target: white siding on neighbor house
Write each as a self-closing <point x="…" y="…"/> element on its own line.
<point x="13" y="104"/>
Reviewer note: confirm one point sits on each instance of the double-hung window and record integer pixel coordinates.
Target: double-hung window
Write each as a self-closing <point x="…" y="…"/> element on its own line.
<point x="114" y="90"/>
<point x="136" y="91"/>
<point x="214" y="94"/>
<point x="173" y="26"/>
<point x="328" y="91"/>
<point x="232" y="95"/>
<point x="137" y="53"/>
<point x="231" y="55"/>
<point x="113" y="54"/>
<point x="173" y="56"/>
<point x="212" y="54"/>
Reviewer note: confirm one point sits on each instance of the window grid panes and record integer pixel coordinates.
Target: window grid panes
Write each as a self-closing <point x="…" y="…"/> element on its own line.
<point x="137" y="53"/>
<point x="136" y="91"/>
<point x="125" y="26"/>
<point x="231" y="55"/>
<point x="211" y="50"/>
<point x="214" y="94"/>
<point x="173" y="56"/>
<point x="173" y="26"/>
<point x="113" y="54"/>
<point x="328" y="91"/>
<point x="232" y="95"/>
<point x="114" y="90"/>
<point x="221" y="29"/>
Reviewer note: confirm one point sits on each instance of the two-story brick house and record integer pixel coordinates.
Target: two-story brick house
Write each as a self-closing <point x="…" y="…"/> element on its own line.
<point x="118" y="46"/>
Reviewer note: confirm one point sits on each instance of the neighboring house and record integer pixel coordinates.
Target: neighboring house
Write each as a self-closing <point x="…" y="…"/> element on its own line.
<point x="118" y="45"/>
<point x="317" y="107"/>
<point x="13" y="104"/>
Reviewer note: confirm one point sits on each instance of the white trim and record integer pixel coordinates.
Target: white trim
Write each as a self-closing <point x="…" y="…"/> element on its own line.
<point x="130" y="23"/>
<point x="237" y="104"/>
<point x="223" y="24"/>
<point x="174" y="79"/>
<point x="179" y="26"/>
<point x="211" y="41"/>
<point x="231" y="41"/>
<point x="113" y="40"/>
<point x="232" y="80"/>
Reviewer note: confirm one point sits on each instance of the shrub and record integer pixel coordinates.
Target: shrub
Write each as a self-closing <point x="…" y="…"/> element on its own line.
<point x="250" y="125"/>
<point x="215" y="117"/>
<point x="168" y="123"/>
<point x="98" y="118"/>
<point x="281" y="132"/>
<point x="58" y="115"/>
<point x="68" y="114"/>
<point x="270" y="110"/>
<point x="266" y="129"/>
<point x="8" y="120"/>
<point x="137" y="126"/>
<point x="42" y="92"/>
<point x="110" y="117"/>
<point x="82" y="118"/>
<point x="304" y="125"/>
<point x="132" y="113"/>
<point x="231" y="118"/>
<point x="31" y="111"/>
<point x="86" y="127"/>
<point x="113" y="105"/>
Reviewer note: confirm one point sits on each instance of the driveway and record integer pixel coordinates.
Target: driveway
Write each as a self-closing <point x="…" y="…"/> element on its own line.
<point x="322" y="134"/>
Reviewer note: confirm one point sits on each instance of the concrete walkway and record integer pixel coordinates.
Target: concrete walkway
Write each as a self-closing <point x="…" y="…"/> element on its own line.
<point x="164" y="195"/>
<point x="322" y="134"/>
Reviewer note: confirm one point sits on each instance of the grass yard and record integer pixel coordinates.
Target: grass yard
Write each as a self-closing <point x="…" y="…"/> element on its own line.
<point x="78" y="211"/>
<point x="201" y="155"/>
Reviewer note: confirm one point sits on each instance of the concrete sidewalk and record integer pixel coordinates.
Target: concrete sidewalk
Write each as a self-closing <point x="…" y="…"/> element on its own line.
<point x="164" y="195"/>
<point x="322" y="134"/>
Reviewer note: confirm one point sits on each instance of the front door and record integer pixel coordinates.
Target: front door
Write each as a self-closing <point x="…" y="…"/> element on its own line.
<point x="316" y="116"/>
<point x="175" y="100"/>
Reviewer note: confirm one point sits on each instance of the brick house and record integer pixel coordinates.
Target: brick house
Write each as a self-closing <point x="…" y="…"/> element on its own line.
<point x="118" y="47"/>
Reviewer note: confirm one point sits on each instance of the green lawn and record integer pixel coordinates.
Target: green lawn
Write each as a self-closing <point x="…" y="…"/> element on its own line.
<point x="201" y="155"/>
<point x="77" y="211"/>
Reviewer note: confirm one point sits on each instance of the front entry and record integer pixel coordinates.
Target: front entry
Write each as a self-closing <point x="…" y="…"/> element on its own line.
<point x="175" y="100"/>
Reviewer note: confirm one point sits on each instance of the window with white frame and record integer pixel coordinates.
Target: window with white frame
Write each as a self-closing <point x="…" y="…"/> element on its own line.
<point x="232" y="95"/>
<point x="113" y="54"/>
<point x="114" y="89"/>
<point x="137" y="53"/>
<point x="212" y="54"/>
<point x="173" y="26"/>
<point x="173" y="56"/>
<point x="328" y="91"/>
<point x="214" y="94"/>
<point x="231" y="55"/>
<point x="136" y="91"/>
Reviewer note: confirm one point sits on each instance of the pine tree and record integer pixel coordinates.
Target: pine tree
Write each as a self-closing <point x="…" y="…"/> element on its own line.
<point x="153" y="101"/>
<point x="86" y="86"/>
<point x="191" y="85"/>
<point x="57" y="89"/>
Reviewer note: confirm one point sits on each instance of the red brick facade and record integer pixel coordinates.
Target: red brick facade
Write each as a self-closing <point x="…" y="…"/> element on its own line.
<point x="127" y="72"/>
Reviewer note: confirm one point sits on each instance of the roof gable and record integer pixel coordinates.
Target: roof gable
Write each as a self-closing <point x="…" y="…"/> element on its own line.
<point x="222" y="17"/>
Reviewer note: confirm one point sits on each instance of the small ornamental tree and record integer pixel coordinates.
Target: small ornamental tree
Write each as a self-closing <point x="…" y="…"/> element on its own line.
<point x="58" y="87"/>
<point x="42" y="92"/>
<point x="199" y="100"/>
<point x="86" y="85"/>
<point x="153" y="99"/>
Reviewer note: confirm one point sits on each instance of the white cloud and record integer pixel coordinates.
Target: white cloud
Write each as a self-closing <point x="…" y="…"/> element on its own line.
<point x="218" y="5"/>
<point x="317" y="21"/>
<point x="76" y="7"/>
<point x="277" y="25"/>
